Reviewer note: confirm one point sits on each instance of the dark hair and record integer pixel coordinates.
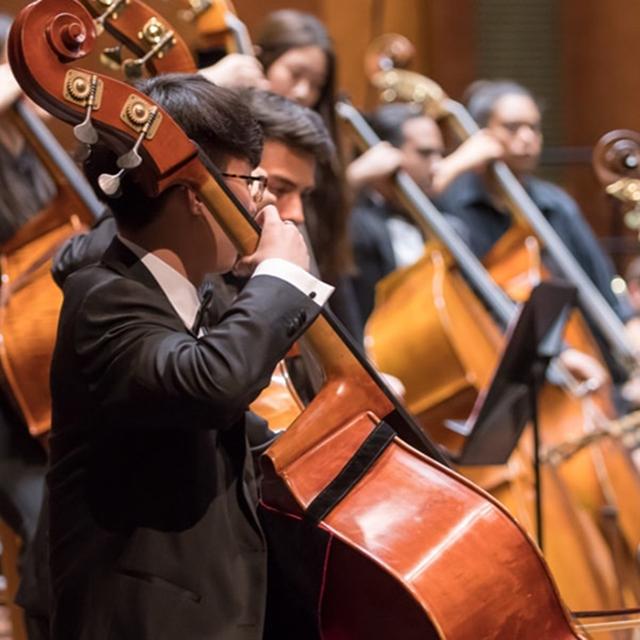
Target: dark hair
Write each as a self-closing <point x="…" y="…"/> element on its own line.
<point x="289" y="29"/>
<point x="214" y="117"/>
<point x="387" y="121"/>
<point x="290" y="123"/>
<point x="327" y="207"/>
<point x="481" y="97"/>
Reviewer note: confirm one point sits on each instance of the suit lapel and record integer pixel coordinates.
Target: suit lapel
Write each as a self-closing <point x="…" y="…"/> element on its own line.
<point x="122" y="260"/>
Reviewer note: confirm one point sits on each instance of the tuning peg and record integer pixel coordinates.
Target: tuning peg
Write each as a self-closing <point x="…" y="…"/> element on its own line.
<point x="156" y="34"/>
<point x="111" y="57"/>
<point x="85" y="132"/>
<point x="196" y="9"/>
<point x="110" y="183"/>
<point x="113" y="8"/>
<point x="132" y="158"/>
<point x="133" y="69"/>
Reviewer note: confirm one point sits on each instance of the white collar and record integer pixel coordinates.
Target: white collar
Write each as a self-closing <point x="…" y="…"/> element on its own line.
<point x="180" y="292"/>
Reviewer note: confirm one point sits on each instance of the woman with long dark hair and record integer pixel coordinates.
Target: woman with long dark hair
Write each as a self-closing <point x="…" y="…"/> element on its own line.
<point x="299" y="62"/>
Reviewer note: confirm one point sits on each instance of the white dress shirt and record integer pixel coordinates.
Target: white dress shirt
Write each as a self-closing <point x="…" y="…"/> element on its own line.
<point x="406" y="240"/>
<point x="183" y="295"/>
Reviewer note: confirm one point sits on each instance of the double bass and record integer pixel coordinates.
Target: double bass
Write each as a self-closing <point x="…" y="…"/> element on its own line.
<point x="448" y="317"/>
<point x="616" y="162"/>
<point x="400" y="84"/>
<point x="445" y="356"/>
<point x="353" y="495"/>
<point x="29" y="299"/>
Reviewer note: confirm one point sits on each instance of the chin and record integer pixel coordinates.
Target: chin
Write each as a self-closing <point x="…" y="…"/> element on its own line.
<point x="523" y="165"/>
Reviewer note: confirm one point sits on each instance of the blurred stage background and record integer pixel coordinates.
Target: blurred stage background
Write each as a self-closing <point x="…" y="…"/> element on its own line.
<point x="578" y="56"/>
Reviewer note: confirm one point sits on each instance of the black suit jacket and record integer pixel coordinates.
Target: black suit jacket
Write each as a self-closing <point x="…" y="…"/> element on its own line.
<point x="372" y="248"/>
<point x="372" y="251"/>
<point x="153" y="528"/>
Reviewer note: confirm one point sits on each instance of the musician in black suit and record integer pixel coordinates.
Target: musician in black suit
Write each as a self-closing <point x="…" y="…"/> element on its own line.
<point x="383" y="236"/>
<point x="153" y="529"/>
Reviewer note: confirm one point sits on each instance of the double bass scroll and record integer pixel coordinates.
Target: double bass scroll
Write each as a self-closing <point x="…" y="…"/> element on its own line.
<point x="616" y="162"/>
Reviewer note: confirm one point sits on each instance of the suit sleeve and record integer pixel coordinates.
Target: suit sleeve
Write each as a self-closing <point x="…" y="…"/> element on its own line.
<point x="128" y="347"/>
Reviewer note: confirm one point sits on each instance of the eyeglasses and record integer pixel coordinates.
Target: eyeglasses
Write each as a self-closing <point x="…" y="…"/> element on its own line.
<point x="430" y="152"/>
<point x="514" y="127"/>
<point x="257" y="184"/>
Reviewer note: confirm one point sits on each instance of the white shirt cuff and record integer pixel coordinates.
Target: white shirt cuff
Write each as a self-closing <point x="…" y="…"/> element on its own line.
<point x="302" y="280"/>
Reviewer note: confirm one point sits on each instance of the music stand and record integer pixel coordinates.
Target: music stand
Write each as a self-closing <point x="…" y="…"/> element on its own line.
<point x="502" y="410"/>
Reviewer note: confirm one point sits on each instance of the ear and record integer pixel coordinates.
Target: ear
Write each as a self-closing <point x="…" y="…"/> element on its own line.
<point x="196" y="207"/>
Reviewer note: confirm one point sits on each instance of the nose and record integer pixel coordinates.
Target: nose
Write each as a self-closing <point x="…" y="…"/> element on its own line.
<point x="434" y="163"/>
<point x="291" y="208"/>
<point x="301" y="91"/>
<point x="527" y="134"/>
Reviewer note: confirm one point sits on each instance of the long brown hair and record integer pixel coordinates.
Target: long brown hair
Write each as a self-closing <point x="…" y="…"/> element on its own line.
<point x="289" y="29"/>
<point x="328" y="208"/>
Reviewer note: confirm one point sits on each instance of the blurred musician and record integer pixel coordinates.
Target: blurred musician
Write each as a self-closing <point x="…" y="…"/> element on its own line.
<point x="512" y="123"/>
<point x="25" y="189"/>
<point x="382" y="235"/>
<point x="299" y="62"/>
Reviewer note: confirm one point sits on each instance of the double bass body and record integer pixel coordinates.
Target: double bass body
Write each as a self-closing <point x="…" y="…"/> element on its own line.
<point x="411" y="517"/>
<point x="417" y="301"/>
<point x="448" y="320"/>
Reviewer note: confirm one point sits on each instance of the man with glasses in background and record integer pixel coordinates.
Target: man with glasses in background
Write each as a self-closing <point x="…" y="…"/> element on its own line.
<point x="382" y="235"/>
<point x="511" y="122"/>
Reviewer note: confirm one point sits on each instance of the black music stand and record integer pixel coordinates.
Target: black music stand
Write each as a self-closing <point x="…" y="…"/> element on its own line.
<point x="503" y="409"/>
